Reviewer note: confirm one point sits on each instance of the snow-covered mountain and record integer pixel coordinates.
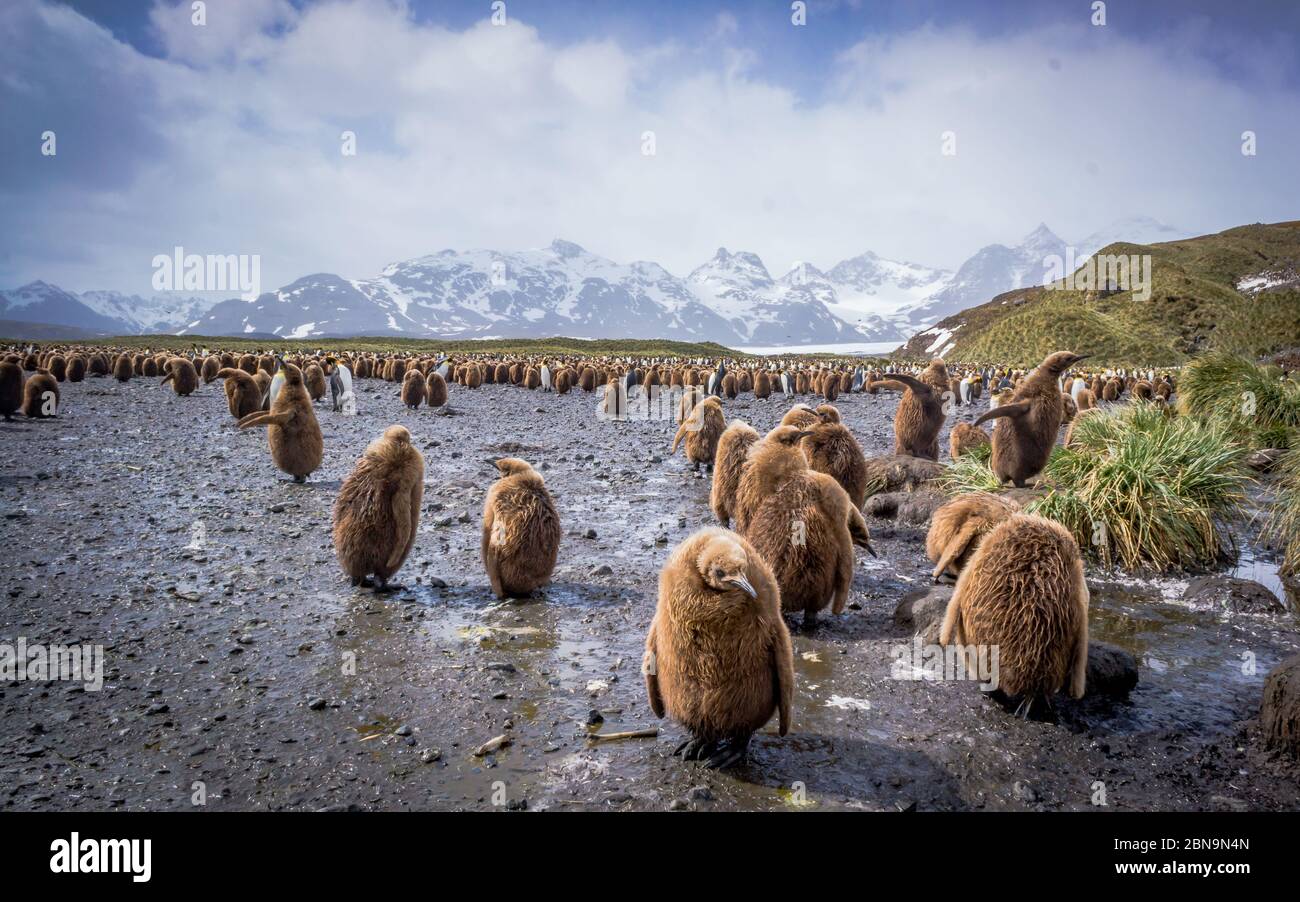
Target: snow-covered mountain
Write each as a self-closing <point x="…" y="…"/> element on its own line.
<point x="557" y="290"/>
<point x="991" y="271"/>
<point x="40" y="302"/>
<point x="140" y="315"/>
<point x="875" y="293"/>
<point x="97" y="312"/>
<point x="769" y="312"/>
<point x="563" y="289"/>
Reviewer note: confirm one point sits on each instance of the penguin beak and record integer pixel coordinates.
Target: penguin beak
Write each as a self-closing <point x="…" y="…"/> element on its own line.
<point x="1078" y="357"/>
<point x="743" y="584"/>
<point x="870" y="549"/>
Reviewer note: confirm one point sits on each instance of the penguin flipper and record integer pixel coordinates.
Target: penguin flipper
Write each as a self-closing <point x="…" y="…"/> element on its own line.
<point x="1012" y="411"/>
<point x="490" y="555"/>
<point x="262" y="418"/>
<point x="951" y="632"/>
<point x="650" y="668"/>
<point x="401" y="530"/>
<point x="956" y="547"/>
<point x="783" y="667"/>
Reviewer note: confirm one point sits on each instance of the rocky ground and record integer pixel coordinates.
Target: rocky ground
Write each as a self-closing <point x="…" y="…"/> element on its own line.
<point x="243" y="672"/>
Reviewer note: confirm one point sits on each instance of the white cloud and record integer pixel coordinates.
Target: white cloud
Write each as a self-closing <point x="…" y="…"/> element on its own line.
<point x="495" y="137"/>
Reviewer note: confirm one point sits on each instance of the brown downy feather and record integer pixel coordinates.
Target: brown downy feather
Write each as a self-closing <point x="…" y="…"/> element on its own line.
<point x="729" y="463"/>
<point x="521" y="530"/>
<point x="957" y="527"/>
<point x="1023" y="592"/>
<point x="293" y="433"/>
<point x="719" y="660"/>
<point x="377" y="512"/>
<point x="1027" y="426"/>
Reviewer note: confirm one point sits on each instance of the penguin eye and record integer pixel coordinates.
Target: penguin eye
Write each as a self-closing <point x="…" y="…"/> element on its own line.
<point x="717" y="573"/>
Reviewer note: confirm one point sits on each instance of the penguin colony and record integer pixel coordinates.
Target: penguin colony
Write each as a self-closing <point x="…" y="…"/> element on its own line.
<point x="718" y="655"/>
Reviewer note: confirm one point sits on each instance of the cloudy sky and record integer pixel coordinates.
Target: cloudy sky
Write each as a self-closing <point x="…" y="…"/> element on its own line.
<point x="813" y="142"/>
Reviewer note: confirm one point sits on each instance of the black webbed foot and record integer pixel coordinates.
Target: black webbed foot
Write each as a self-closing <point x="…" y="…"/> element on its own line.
<point x="730" y="753"/>
<point x="695" y="749"/>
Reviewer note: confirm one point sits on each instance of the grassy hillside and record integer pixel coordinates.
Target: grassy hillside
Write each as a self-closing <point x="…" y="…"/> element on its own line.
<point x="1194" y="306"/>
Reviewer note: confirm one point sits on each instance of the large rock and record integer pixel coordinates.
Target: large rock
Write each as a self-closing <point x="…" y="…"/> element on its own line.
<point x="1111" y="671"/>
<point x="1265" y="459"/>
<point x="1233" y="595"/>
<point x="1279" y="715"/>
<point x="922" y="610"/>
<point x="900" y="472"/>
<point x="910" y="508"/>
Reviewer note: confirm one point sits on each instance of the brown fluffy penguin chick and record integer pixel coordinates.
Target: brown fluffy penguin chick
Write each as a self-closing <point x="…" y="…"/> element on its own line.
<point x="182" y="375"/>
<point x="435" y="390"/>
<point x="123" y="368"/>
<point x="957" y="527"/>
<point x="243" y="396"/>
<point x="11" y="389"/>
<point x="210" y="367"/>
<point x="965" y="438"/>
<point x="701" y="430"/>
<point x="830" y="448"/>
<point x="41" y="396"/>
<point x="802" y="523"/>
<point x="733" y="447"/>
<point x="296" y="443"/>
<point x="314" y="378"/>
<point x="1068" y="408"/>
<point x="413" y="389"/>
<point x="1027" y="426"/>
<point x="718" y="658"/>
<point x="800" y="416"/>
<point x="1087" y="400"/>
<point x="762" y="385"/>
<point x="377" y="512"/>
<point x="521" y="530"/>
<point x="1023" y="593"/>
<point x="920" y="414"/>
<point x="691" y="397"/>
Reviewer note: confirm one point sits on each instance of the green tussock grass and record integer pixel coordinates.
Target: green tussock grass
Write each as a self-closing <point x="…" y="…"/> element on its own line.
<point x="1254" y="401"/>
<point x="1139" y="489"/>
<point x="1283" y="525"/>
<point x="970" y="473"/>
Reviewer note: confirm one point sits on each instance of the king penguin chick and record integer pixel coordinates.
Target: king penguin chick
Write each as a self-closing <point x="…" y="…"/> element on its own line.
<point x="295" y="437"/>
<point x="921" y="411"/>
<point x="702" y="429"/>
<point x="521" y="530"/>
<point x="377" y="512"/>
<point x="1024" y="594"/>
<point x="728" y="464"/>
<point x="243" y="397"/>
<point x="11" y="389"/>
<point x="1027" y="425"/>
<point x="831" y="449"/>
<point x="802" y="523"/>
<point x="718" y="657"/>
